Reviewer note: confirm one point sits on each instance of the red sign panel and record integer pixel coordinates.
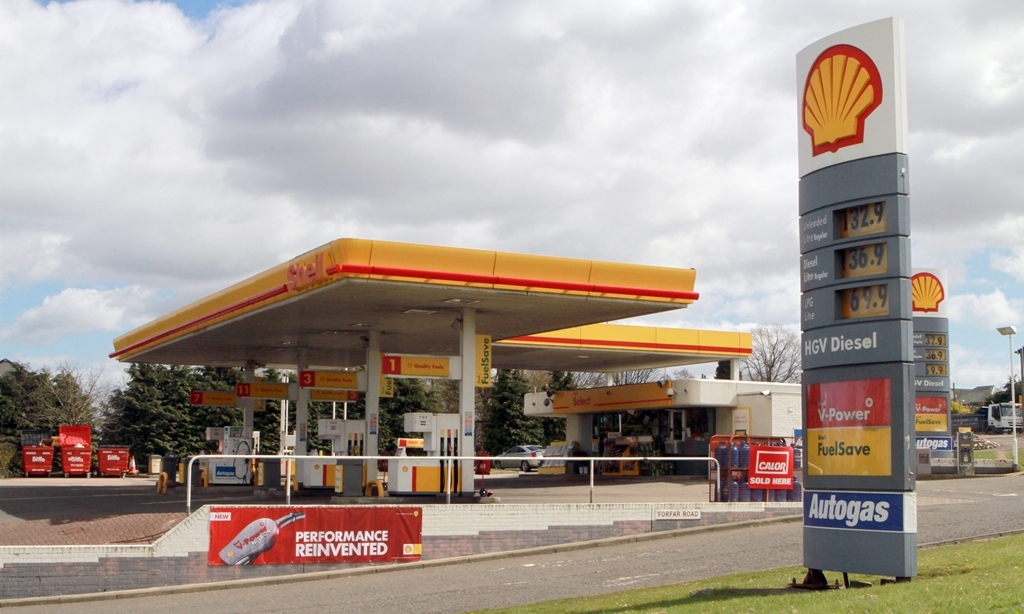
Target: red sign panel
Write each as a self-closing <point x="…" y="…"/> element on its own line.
<point x="771" y="467"/>
<point x="289" y="535"/>
<point x="854" y="403"/>
<point x="930" y="405"/>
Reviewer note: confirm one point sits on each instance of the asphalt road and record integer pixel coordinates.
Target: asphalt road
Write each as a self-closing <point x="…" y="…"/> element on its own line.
<point x="947" y="509"/>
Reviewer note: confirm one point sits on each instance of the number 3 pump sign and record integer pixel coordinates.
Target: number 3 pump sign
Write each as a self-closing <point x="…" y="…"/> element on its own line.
<point x="283" y="535"/>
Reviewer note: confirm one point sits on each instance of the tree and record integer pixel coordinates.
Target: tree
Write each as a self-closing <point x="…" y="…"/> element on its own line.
<point x="724" y="369"/>
<point x="151" y="413"/>
<point x="506" y="425"/>
<point x="1002" y="395"/>
<point x="637" y="376"/>
<point x="21" y="390"/>
<point x="411" y="395"/>
<point x="775" y="357"/>
<point x="72" y="396"/>
<point x="554" y="428"/>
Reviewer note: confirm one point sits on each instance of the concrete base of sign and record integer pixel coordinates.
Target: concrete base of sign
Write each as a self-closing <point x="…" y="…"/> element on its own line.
<point x="872" y="552"/>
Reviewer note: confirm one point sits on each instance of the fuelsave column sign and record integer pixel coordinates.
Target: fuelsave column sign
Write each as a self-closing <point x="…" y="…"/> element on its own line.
<point x="856" y="317"/>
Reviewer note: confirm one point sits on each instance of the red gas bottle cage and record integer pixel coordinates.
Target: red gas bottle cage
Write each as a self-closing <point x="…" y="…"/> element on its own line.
<point x="76" y="450"/>
<point x="733" y="453"/>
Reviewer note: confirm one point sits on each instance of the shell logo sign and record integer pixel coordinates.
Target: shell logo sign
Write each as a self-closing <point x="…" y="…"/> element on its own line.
<point x="927" y="292"/>
<point x="843" y="88"/>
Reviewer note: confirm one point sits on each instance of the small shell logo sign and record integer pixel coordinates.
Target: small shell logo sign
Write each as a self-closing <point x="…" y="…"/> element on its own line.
<point x="842" y="89"/>
<point x="927" y="292"/>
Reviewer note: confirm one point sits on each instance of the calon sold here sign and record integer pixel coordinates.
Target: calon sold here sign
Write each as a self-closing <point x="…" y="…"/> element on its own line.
<point x="288" y="535"/>
<point x="771" y="468"/>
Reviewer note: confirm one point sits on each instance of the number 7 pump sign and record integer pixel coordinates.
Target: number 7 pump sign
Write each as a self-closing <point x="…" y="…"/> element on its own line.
<point x="771" y="467"/>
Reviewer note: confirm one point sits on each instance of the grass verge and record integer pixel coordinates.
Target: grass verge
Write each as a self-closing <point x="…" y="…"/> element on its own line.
<point x="983" y="576"/>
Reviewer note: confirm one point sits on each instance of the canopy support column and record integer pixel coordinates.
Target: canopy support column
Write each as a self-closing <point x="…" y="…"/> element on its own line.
<point x="372" y="401"/>
<point x="302" y="411"/>
<point x="467" y="397"/>
<point x="248" y="404"/>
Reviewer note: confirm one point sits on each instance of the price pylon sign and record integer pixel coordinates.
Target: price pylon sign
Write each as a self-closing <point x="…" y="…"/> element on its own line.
<point x="855" y="309"/>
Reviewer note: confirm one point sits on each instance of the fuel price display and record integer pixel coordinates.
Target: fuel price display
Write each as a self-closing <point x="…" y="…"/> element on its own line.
<point x="865" y="260"/>
<point x="865" y="302"/>
<point x="862" y="220"/>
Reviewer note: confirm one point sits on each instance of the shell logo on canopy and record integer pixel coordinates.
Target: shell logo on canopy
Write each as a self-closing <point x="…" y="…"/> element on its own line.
<point x="927" y="292"/>
<point x="843" y="88"/>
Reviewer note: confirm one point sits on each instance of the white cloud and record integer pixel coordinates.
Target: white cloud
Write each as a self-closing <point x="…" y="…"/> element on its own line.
<point x="987" y="310"/>
<point x="76" y="311"/>
<point x="143" y="150"/>
<point x="1012" y="264"/>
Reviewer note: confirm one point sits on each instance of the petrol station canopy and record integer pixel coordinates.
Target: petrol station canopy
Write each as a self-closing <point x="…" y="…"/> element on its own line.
<point x="539" y="310"/>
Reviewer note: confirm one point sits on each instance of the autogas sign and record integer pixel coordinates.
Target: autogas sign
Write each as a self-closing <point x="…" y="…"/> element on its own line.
<point x="937" y="444"/>
<point x="861" y="511"/>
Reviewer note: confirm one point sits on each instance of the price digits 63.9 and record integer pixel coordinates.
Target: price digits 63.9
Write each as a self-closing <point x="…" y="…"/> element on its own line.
<point x="862" y="220"/>
<point x="866" y="302"/>
<point x="865" y="260"/>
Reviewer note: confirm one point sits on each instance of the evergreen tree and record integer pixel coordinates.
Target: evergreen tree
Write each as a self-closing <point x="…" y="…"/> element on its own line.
<point x="151" y="413"/>
<point x="723" y="370"/>
<point x="554" y="428"/>
<point x="411" y="395"/>
<point x="506" y="425"/>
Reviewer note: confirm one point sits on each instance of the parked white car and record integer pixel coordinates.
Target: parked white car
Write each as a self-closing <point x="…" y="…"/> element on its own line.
<point x="532" y="457"/>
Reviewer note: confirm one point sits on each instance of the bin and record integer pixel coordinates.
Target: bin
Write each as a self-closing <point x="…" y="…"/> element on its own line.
<point x="76" y="450"/>
<point x="169" y="465"/>
<point x="154" y="464"/>
<point x="113" y="461"/>
<point x="197" y="470"/>
<point x="37" y="460"/>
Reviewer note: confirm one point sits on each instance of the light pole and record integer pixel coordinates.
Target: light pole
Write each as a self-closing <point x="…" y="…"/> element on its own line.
<point x="1009" y="331"/>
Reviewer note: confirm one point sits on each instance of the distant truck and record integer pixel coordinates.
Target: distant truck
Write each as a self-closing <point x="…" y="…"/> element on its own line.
<point x="996" y="418"/>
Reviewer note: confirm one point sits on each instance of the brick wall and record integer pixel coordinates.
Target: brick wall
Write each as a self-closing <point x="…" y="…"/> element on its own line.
<point x="180" y="556"/>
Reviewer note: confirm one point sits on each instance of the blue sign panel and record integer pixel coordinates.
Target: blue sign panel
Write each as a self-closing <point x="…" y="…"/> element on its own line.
<point x="224" y="471"/>
<point x="863" y="511"/>
<point x="937" y="444"/>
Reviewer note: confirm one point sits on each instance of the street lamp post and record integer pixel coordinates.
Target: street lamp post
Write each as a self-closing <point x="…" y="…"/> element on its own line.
<point x="1009" y="331"/>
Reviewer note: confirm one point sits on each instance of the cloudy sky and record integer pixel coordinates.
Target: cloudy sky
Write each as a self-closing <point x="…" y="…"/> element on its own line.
<point x="154" y="152"/>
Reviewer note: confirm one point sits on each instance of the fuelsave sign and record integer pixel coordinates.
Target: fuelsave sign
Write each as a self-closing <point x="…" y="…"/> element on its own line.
<point x="849" y="428"/>
<point x="289" y="535"/>
<point x="771" y="468"/>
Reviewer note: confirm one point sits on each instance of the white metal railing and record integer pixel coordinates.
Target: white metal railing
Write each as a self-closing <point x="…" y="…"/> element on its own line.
<point x="448" y="465"/>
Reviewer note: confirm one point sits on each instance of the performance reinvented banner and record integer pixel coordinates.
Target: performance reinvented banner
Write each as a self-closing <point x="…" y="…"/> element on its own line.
<point x="288" y="535"/>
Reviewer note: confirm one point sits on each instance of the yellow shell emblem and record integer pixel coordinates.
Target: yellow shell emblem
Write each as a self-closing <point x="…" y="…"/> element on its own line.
<point x="842" y="89"/>
<point x="927" y="292"/>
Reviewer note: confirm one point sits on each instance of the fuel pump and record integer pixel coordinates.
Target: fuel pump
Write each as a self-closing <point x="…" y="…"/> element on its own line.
<point x="348" y="438"/>
<point x="231" y="440"/>
<point x="419" y="475"/>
